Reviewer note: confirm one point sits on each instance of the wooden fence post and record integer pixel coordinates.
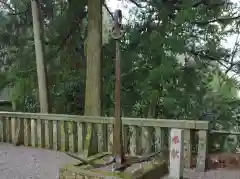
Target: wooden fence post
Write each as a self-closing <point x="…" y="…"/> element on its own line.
<point x="187" y="148"/>
<point x="202" y="150"/>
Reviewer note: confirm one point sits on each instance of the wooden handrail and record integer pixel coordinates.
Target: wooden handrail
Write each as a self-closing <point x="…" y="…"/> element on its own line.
<point x="224" y="132"/>
<point x="69" y="133"/>
<point x="143" y="122"/>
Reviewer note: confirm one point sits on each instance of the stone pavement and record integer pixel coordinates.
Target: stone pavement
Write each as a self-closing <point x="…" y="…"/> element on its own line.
<point x="211" y="174"/>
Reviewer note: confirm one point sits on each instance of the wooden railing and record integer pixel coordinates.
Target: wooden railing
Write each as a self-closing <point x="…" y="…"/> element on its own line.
<point x="68" y="133"/>
<point x="224" y="141"/>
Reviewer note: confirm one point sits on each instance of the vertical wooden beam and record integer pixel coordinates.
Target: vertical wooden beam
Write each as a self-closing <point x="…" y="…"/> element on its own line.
<point x="64" y="136"/>
<point x="2" y="129"/>
<point x="110" y="137"/>
<point x="13" y="128"/>
<point x="118" y="150"/>
<point x="125" y="138"/>
<point x="100" y="137"/>
<point x="87" y="141"/>
<point x="158" y="139"/>
<point x="19" y="136"/>
<point x="187" y="148"/>
<point x="40" y="133"/>
<point x="33" y="133"/>
<point x="133" y="140"/>
<point x="72" y="128"/>
<point x="56" y="139"/>
<point x="27" y="132"/>
<point x="169" y="137"/>
<point x="48" y="125"/>
<point x="8" y="129"/>
<point x="147" y="140"/>
<point x="202" y="150"/>
<point x="80" y="136"/>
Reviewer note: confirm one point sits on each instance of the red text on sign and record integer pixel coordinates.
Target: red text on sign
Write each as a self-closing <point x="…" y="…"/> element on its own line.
<point x="175" y="140"/>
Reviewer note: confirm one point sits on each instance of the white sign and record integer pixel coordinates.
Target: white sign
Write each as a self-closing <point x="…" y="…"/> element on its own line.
<point x="176" y="154"/>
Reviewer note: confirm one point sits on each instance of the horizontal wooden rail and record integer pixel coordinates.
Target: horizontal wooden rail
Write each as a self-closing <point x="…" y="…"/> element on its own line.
<point x="145" y="122"/>
<point x="224" y="132"/>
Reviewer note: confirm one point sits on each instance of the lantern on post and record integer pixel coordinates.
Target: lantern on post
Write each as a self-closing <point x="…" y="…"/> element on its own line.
<point x="117" y="34"/>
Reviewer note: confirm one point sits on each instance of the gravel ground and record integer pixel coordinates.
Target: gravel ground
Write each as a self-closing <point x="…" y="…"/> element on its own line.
<point x="31" y="163"/>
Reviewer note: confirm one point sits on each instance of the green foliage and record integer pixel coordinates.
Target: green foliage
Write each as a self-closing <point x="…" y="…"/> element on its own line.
<point x="172" y="59"/>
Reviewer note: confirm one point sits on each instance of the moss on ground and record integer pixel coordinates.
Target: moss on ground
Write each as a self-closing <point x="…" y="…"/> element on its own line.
<point x="149" y="169"/>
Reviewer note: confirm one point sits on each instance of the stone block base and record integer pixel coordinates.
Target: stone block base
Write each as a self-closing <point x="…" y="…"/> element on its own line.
<point x="146" y="170"/>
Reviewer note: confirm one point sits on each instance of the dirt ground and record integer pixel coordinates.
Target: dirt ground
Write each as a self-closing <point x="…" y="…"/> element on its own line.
<point x="30" y="163"/>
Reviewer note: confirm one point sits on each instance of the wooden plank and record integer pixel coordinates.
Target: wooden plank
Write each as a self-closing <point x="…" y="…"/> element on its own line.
<point x="158" y="139"/>
<point x="202" y="125"/>
<point x="87" y="137"/>
<point x="2" y="129"/>
<point x="100" y="138"/>
<point x="168" y="123"/>
<point x="126" y="138"/>
<point x="90" y="142"/>
<point x="56" y="138"/>
<point x="40" y="133"/>
<point x="133" y="140"/>
<point x="80" y="136"/>
<point x="110" y="137"/>
<point x="48" y="134"/>
<point x="202" y="151"/>
<point x="147" y="140"/>
<point x="224" y="132"/>
<point x="33" y="133"/>
<point x="72" y="136"/>
<point x="169" y="137"/>
<point x="187" y="148"/>
<point x="13" y="128"/>
<point x="105" y="137"/>
<point x="64" y="135"/>
<point x="8" y="129"/>
<point x="19" y="136"/>
<point x="27" y="132"/>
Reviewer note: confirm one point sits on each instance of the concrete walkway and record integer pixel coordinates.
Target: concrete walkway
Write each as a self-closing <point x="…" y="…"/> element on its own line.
<point x="31" y="163"/>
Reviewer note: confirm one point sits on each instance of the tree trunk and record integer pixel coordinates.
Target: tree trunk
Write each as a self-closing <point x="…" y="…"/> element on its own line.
<point x="152" y="109"/>
<point x="39" y="50"/>
<point x="93" y="69"/>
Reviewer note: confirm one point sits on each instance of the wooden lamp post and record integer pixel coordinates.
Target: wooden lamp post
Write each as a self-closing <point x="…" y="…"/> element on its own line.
<point x="117" y="129"/>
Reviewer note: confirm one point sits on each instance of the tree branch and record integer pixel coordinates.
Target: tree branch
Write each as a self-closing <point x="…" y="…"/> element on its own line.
<point x="13" y="11"/>
<point x="203" y="55"/>
<point x="108" y="10"/>
<point x="135" y="3"/>
<point x="234" y="53"/>
<point x="220" y="20"/>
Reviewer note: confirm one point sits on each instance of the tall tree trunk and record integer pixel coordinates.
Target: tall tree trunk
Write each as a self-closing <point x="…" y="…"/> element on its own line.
<point x="93" y="69"/>
<point x="39" y="50"/>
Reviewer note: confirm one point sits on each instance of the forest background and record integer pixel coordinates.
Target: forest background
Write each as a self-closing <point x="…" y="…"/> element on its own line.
<point x="174" y="62"/>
